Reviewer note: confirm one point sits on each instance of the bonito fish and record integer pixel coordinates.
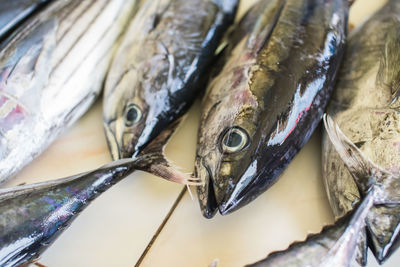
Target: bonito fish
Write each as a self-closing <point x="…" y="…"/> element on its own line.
<point x="160" y="67"/>
<point x="51" y="71"/>
<point x="367" y="108"/>
<point x="268" y="99"/>
<point x="14" y="11"/>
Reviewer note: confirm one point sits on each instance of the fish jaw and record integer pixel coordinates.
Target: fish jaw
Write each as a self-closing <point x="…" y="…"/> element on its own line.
<point x="112" y="142"/>
<point x="259" y="175"/>
<point x="206" y="192"/>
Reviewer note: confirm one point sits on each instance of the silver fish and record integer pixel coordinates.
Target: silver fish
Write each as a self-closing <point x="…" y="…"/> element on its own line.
<point x="337" y="245"/>
<point x="269" y="97"/>
<point x="366" y="106"/>
<point x="160" y="68"/>
<point x="51" y="71"/>
<point x="14" y="11"/>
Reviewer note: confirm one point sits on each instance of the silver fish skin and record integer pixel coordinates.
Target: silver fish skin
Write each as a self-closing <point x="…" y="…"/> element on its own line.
<point x="366" y="106"/>
<point x="160" y="68"/>
<point x="281" y="63"/>
<point x="14" y="11"/>
<point x="51" y="71"/>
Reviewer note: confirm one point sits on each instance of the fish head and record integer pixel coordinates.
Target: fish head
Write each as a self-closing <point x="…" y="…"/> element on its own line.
<point x="226" y="146"/>
<point x="125" y="114"/>
<point x="137" y="107"/>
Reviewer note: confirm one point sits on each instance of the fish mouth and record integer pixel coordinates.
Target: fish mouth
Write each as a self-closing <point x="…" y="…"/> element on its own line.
<point x="112" y="143"/>
<point x="228" y="199"/>
<point x="206" y="193"/>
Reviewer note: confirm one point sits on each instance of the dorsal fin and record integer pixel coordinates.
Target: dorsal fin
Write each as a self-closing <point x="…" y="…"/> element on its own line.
<point x="365" y="172"/>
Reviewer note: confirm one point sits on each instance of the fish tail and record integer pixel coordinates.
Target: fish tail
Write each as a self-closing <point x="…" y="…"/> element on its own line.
<point x="153" y="159"/>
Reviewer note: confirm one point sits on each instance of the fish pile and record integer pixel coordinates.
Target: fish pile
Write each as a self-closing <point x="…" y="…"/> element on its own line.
<point x="268" y="80"/>
<point x="145" y="97"/>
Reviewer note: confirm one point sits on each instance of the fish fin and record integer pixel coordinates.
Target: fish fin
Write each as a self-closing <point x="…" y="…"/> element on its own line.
<point x="315" y="249"/>
<point x="362" y="249"/>
<point x="364" y="171"/>
<point x="152" y="159"/>
<point x="389" y="73"/>
<point x="265" y="26"/>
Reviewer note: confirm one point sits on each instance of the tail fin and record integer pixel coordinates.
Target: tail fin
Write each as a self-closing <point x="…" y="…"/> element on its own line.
<point x="153" y="160"/>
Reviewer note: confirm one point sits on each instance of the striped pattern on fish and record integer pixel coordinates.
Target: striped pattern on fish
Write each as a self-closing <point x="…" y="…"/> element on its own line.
<point x="51" y="71"/>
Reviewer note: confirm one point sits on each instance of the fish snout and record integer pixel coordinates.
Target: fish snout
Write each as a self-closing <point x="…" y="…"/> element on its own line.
<point x="205" y="192"/>
<point x="242" y="192"/>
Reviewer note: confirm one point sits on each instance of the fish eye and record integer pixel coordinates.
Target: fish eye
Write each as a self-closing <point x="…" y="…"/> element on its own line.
<point x="234" y="140"/>
<point x="133" y="115"/>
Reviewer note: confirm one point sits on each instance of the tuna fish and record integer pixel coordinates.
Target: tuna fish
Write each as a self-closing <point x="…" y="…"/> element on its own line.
<point x="261" y="109"/>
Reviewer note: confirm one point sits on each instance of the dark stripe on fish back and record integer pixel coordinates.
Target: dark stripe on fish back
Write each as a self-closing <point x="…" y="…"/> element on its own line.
<point x="82" y="34"/>
<point x="69" y="11"/>
<point x="97" y="44"/>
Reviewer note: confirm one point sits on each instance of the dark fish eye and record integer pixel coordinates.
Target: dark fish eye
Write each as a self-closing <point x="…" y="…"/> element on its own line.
<point x="234" y="140"/>
<point x="133" y="115"/>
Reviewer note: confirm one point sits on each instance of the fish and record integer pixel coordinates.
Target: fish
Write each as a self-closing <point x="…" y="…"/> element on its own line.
<point x="51" y="71"/>
<point x="336" y="245"/>
<point x="12" y="13"/>
<point x="160" y="68"/>
<point x="366" y="106"/>
<point x="258" y="112"/>
<point x="33" y="216"/>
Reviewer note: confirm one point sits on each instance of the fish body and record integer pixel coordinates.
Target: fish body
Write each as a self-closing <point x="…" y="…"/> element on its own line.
<point x="51" y="71"/>
<point x="269" y="97"/>
<point x="366" y="106"/>
<point x="160" y="67"/>
<point x="15" y="11"/>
